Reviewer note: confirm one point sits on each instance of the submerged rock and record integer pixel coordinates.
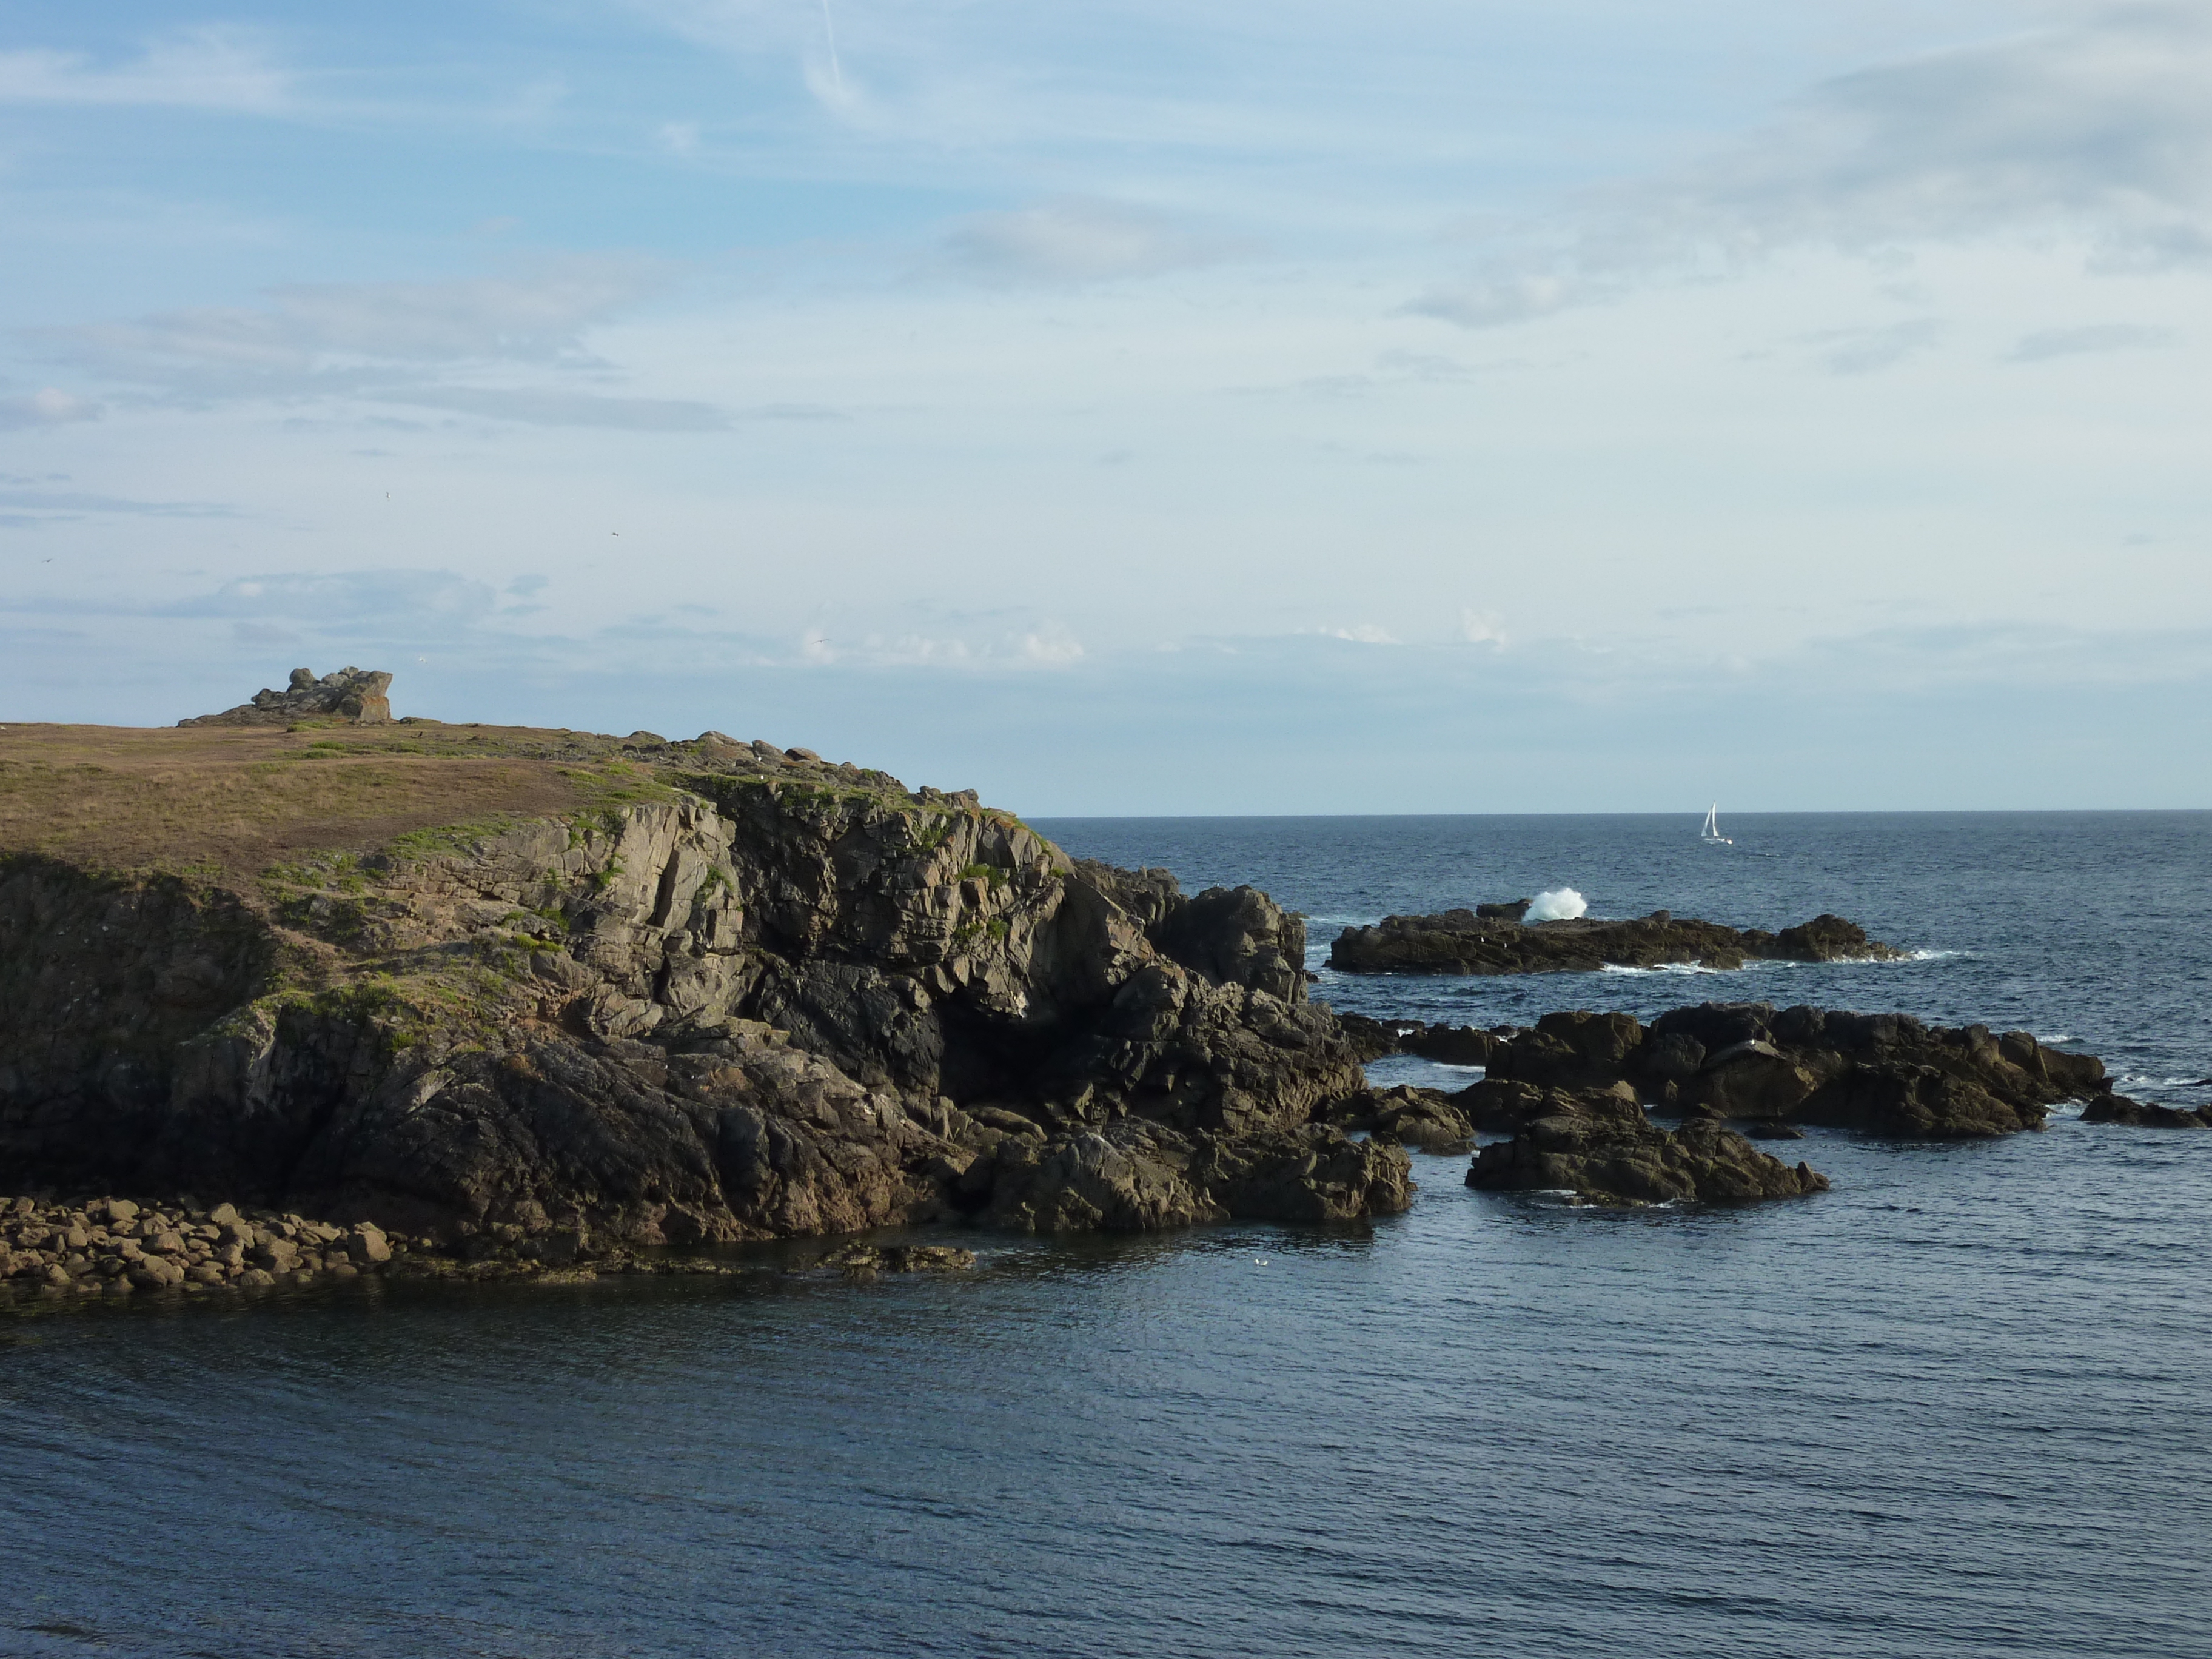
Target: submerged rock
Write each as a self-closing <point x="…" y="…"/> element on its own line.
<point x="1601" y="1147"/>
<point x="860" y="1260"/>
<point x="1485" y="941"/>
<point x="2145" y="1114"/>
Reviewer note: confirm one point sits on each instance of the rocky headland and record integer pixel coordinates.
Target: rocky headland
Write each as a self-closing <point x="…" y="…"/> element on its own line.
<point x="644" y="993"/>
<point x="506" y="1002"/>
<point x="1493" y="939"/>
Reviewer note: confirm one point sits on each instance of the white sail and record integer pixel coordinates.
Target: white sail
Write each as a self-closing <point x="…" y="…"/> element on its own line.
<point x="1712" y="831"/>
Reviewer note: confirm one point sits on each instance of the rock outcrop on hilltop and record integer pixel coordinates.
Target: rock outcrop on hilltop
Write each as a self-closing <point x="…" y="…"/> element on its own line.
<point x="359" y="695"/>
<point x="1491" y="940"/>
<point x="1886" y="1074"/>
<point x="765" y="996"/>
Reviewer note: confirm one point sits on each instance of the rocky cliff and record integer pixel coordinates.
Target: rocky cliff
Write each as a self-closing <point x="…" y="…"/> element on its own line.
<point x="761" y="996"/>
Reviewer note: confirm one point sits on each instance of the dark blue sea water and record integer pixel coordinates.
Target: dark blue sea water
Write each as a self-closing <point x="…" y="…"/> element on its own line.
<point x="1958" y="1406"/>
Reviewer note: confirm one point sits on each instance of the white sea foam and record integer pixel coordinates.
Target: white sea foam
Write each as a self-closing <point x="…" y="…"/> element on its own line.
<point x="1558" y="904"/>
<point x="1664" y="968"/>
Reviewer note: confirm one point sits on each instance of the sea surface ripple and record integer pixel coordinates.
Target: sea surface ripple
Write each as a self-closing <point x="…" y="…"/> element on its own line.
<point x="1954" y="1407"/>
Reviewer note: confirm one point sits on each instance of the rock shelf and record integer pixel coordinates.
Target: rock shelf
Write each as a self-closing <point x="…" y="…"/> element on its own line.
<point x="111" y="1246"/>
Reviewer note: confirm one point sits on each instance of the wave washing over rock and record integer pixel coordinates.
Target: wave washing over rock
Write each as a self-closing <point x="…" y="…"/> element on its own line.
<point x="735" y="993"/>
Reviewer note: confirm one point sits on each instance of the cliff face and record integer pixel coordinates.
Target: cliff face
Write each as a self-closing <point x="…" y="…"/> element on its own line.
<point x="754" y="1006"/>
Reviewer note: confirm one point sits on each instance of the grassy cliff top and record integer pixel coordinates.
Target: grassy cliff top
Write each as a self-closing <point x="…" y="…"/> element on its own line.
<point x="228" y="802"/>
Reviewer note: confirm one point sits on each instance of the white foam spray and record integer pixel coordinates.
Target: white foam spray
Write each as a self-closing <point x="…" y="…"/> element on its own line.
<point x="1559" y="904"/>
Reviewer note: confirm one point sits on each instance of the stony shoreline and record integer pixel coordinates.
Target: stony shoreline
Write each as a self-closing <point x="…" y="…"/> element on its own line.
<point x="114" y="1248"/>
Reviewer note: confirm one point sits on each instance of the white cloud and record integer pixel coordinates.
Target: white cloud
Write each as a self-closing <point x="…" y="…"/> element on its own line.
<point x="1481" y="627"/>
<point x="1864" y="350"/>
<point x="2101" y="129"/>
<point x="378" y="339"/>
<point x="48" y="406"/>
<point x="555" y="406"/>
<point x="211" y="68"/>
<point x="1075" y="241"/>
<point x="2092" y="337"/>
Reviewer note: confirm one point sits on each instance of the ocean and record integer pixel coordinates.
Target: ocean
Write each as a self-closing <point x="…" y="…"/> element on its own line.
<point x="1957" y="1405"/>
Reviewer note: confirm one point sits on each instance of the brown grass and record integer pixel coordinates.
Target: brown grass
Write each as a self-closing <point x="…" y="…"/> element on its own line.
<point x="228" y="802"/>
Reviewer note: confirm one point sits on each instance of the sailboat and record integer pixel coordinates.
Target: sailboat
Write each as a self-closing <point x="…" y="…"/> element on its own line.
<point x="1711" y="833"/>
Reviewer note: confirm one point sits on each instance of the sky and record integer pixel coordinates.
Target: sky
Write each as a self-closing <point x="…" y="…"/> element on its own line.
<point x="1597" y="406"/>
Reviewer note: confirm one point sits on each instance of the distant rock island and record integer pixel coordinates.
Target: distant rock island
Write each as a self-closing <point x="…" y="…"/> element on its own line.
<point x="1492" y="939"/>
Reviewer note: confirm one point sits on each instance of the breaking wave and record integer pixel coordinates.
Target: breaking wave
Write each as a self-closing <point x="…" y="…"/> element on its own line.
<point x="1557" y="904"/>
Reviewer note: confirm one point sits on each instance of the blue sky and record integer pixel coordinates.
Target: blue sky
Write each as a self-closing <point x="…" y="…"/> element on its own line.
<point x="1139" y="407"/>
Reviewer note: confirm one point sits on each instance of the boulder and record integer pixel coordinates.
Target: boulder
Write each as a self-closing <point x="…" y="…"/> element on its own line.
<point x="1405" y="1115"/>
<point x="1603" y="1150"/>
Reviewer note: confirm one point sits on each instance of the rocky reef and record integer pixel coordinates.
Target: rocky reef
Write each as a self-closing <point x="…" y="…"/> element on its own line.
<point x="114" y="1246"/>
<point x="1492" y="939"/>
<point x="1886" y="1074"/>
<point x="1599" y="1145"/>
<point x="358" y="694"/>
<point x="734" y="992"/>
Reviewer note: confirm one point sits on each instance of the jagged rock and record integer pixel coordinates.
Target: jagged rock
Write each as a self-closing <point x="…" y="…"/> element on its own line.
<point x="1370" y="1039"/>
<point x="1887" y="1073"/>
<point x="1134" y="1175"/>
<point x="2145" y="1114"/>
<point x="352" y="694"/>
<point x="1406" y="1115"/>
<point x="1602" y="1148"/>
<point x="1486" y="940"/>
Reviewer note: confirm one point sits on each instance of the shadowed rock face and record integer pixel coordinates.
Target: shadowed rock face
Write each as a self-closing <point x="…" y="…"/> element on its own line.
<point x="760" y="1008"/>
<point x="1473" y="942"/>
<point x="1600" y="1146"/>
<point x="358" y="694"/>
